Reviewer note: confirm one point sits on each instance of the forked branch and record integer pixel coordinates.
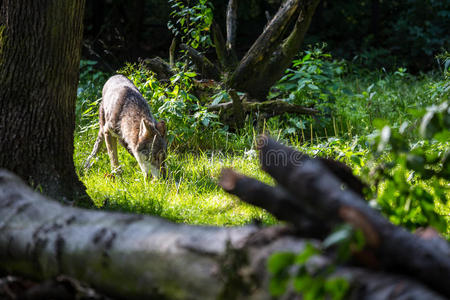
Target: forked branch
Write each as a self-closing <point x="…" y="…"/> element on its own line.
<point x="318" y="189"/>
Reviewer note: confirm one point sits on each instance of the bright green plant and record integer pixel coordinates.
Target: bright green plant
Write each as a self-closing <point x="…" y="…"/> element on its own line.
<point x="310" y="281"/>
<point x="413" y="179"/>
<point x="191" y="22"/>
<point x="89" y="94"/>
<point x="312" y="79"/>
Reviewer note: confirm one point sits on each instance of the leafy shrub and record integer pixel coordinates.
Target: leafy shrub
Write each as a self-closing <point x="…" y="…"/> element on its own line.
<point x="189" y="122"/>
<point x="89" y="94"/>
<point x="312" y="79"/>
<point x="413" y="178"/>
<point x="315" y="280"/>
<point x="191" y="23"/>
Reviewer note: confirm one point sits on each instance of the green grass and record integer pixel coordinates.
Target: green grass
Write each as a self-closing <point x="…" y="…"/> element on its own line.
<point x="381" y="95"/>
<point x="189" y="195"/>
<point x="195" y="158"/>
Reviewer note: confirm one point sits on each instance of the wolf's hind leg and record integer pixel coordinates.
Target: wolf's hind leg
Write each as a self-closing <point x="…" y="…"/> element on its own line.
<point x="97" y="147"/>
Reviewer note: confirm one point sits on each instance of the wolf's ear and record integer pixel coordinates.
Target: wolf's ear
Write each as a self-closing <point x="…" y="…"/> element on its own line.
<point x="161" y="126"/>
<point x="144" y="129"/>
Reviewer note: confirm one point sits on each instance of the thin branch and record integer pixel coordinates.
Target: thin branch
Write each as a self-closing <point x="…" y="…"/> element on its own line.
<point x="231" y="24"/>
<point x="395" y="249"/>
<point x="227" y="58"/>
<point x="275" y="200"/>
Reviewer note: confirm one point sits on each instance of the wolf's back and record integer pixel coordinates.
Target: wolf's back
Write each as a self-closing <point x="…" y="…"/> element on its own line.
<point x="121" y="96"/>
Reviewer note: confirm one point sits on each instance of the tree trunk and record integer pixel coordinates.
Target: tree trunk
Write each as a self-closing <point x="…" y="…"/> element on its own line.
<point x="141" y="257"/>
<point x="39" y="62"/>
<point x="265" y="62"/>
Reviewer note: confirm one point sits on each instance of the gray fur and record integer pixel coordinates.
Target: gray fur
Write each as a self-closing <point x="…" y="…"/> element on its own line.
<point x="124" y="115"/>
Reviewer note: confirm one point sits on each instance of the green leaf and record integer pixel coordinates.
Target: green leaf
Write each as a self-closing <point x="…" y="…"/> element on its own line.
<point x="342" y="234"/>
<point x="190" y="74"/>
<point x="415" y="162"/>
<point x="206" y="121"/>
<point x="278" y="262"/>
<point x="278" y="285"/>
<point x="88" y="110"/>
<point x="309" y="251"/>
<point x="313" y="86"/>
<point x="337" y="288"/>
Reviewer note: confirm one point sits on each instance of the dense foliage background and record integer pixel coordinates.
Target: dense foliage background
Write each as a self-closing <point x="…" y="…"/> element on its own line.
<point x="375" y="33"/>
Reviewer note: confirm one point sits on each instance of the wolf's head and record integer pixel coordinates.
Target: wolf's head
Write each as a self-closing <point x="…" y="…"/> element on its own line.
<point x="151" y="148"/>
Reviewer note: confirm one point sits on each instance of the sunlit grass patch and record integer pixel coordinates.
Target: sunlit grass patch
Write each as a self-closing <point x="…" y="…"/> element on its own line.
<point x="189" y="195"/>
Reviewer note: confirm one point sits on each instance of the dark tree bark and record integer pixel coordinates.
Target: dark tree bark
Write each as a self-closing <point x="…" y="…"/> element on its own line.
<point x="157" y="65"/>
<point x="269" y="56"/>
<point x="39" y="62"/>
<point x="227" y="58"/>
<point x="265" y="62"/>
<point x="238" y="109"/>
<point x="269" y="108"/>
<point x="172" y="50"/>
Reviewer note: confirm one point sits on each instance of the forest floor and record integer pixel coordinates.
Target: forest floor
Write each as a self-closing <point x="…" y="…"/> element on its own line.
<point x="190" y="193"/>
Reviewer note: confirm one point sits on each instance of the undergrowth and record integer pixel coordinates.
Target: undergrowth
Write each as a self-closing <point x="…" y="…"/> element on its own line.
<point x="352" y="101"/>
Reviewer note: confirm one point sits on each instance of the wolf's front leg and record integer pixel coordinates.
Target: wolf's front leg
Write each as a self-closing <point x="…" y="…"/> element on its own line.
<point x="111" y="146"/>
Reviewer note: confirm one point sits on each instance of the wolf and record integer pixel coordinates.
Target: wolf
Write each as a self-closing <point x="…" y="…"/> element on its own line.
<point x="124" y="115"/>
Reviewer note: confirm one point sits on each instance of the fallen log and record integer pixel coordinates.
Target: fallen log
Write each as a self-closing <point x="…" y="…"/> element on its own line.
<point x="157" y="65"/>
<point x="317" y="189"/>
<point x="270" y="107"/>
<point x="140" y="257"/>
